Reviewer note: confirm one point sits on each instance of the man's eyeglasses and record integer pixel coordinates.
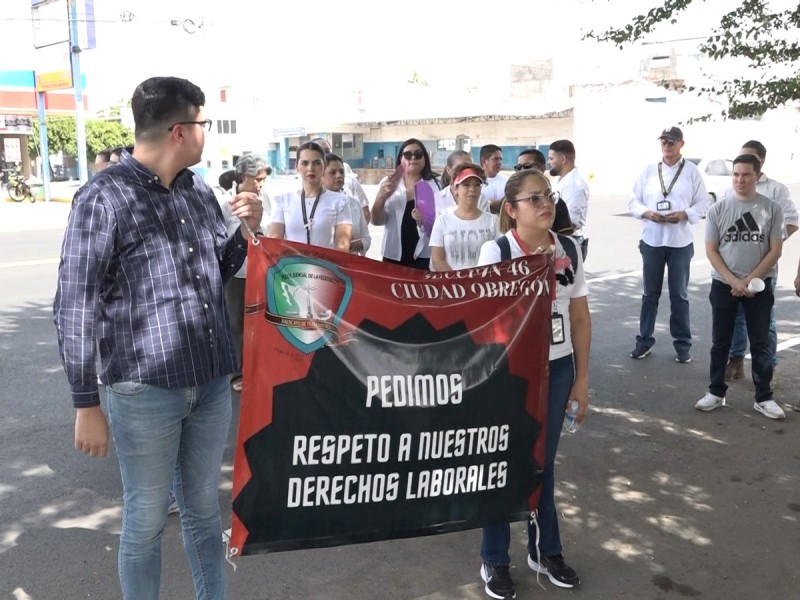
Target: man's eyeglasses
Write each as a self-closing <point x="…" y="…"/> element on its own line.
<point x="206" y="123"/>
<point x="538" y="200"/>
<point x="418" y="154"/>
<point x="668" y="142"/>
<point x="526" y="166"/>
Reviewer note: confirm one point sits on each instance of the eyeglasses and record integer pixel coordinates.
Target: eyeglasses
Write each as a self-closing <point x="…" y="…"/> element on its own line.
<point x="526" y="166"/>
<point x="668" y="142"/>
<point x="206" y="123"/>
<point x="538" y="199"/>
<point x="418" y="154"/>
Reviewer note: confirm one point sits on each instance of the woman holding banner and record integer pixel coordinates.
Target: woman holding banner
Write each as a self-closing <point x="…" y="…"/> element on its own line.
<point x="312" y="215"/>
<point x="526" y="217"/>
<point x="405" y="241"/>
<point x="458" y="234"/>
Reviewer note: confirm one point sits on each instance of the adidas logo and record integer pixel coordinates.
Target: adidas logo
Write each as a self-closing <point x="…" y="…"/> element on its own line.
<point x="744" y="230"/>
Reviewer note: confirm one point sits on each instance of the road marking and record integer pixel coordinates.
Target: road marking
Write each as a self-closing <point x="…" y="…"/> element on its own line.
<point x="29" y="263"/>
<point x="795" y="341"/>
<point x="638" y="273"/>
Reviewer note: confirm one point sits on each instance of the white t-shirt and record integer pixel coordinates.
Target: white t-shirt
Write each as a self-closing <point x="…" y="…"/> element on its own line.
<point x="461" y="239"/>
<point x="495" y="189"/>
<point x="360" y="230"/>
<point x="333" y="209"/>
<point x="490" y="254"/>
<point x="446" y="202"/>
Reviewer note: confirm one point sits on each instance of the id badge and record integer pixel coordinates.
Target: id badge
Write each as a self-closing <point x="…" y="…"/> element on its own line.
<point x="557" y="333"/>
<point x="663" y="205"/>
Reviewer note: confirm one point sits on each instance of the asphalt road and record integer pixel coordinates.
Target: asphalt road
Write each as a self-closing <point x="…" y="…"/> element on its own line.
<point x="60" y="511"/>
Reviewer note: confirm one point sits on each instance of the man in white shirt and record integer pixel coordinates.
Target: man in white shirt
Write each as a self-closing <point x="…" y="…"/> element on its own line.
<point x="669" y="197"/>
<point x="351" y="182"/>
<point x="491" y="158"/>
<point x="779" y="193"/>
<point x="572" y="188"/>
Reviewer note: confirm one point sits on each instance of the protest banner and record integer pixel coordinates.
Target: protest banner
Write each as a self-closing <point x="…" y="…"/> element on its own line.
<point x="383" y="402"/>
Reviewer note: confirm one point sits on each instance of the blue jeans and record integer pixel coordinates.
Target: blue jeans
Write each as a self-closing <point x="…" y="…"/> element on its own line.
<point x="724" y="307"/>
<point x="170" y="437"/>
<point x="677" y="261"/>
<point x="497" y="537"/>
<point x="739" y="340"/>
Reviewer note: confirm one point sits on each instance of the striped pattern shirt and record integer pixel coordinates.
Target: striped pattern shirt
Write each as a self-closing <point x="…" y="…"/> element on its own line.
<point x="140" y="278"/>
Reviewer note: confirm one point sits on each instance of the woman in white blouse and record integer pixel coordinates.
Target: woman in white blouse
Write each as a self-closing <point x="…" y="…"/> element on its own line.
<point x="404" y="240"/>
<point x="312" y="215"/>
<point x="334" y="179"/>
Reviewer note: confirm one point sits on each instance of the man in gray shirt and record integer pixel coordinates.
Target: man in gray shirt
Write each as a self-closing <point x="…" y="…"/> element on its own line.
<point x="744" y="239"/>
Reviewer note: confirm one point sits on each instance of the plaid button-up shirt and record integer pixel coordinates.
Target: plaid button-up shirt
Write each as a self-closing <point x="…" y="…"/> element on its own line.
<point x="141" y="275"/>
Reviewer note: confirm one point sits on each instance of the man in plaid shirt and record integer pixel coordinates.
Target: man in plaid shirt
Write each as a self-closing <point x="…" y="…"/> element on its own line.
<point x="143" y="262"/>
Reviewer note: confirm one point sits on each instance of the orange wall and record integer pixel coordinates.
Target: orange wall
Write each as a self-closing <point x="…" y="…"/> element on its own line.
<point x="17" y="101"/>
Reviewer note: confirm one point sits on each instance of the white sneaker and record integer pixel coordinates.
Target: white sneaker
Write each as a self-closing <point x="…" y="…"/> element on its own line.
<point x="709" y="402"/>
<point x="770" y="409"/>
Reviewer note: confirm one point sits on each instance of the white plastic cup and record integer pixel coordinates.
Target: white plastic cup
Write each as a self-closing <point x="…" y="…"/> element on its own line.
<point x="756" y="285"/>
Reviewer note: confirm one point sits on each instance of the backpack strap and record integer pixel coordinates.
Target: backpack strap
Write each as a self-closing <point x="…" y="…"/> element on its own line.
<point x="505" y="247"/>
<point x="571" y="248"/>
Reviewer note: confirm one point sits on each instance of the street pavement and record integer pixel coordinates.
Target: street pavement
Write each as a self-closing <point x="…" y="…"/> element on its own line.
<point x="619" y="481"/>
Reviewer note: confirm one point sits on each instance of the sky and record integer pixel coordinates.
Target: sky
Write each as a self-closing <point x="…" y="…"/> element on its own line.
<point x="304" y="47"/>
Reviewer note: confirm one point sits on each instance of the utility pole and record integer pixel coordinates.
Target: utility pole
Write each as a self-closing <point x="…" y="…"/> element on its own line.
<point x="80" y="119"/>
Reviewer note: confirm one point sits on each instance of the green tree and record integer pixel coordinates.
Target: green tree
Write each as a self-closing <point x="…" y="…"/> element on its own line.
<point x="61" y="136"/>
<point x="764" y="39"/>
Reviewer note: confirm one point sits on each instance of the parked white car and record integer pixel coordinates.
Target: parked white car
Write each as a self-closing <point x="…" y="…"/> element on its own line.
<point x="717" y="175"/>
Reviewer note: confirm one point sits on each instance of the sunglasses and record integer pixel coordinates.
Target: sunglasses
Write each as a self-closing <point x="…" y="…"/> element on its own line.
<point x="418" y="154"/>
<point x="526" y="166"/>
<point x="668" y="142"/>
<point x="538" y="200"/>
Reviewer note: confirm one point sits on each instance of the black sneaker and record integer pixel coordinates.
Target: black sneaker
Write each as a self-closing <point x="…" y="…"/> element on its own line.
<point x="498" y="582"/>
<point x="639" y="352"/>
<point x="558" y="572"/>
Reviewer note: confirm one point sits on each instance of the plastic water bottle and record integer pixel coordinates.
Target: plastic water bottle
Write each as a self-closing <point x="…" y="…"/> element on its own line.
<point x="571" y="424"/>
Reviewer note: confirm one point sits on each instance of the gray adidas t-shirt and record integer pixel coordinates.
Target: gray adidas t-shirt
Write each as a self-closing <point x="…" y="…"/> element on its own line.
<point x="743" y="230"/>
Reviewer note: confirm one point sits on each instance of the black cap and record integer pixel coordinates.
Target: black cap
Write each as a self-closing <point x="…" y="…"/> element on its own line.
<point x="672" y="133"/>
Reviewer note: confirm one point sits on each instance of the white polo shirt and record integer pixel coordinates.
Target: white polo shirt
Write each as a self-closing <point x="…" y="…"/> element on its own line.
<point x="333" y="209"/>
<point x="575" y="192"/>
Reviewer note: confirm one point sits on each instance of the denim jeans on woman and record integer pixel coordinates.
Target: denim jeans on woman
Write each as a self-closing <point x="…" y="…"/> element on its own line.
<point x="677" y="262"/>
<point x="757" y="309"/>
<point x="170" y="437"/>
<point x="497" y="537"/>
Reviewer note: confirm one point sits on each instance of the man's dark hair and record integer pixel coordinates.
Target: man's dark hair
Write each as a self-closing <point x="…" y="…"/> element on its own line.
<point x="331" y="157"/>
<point x="757" y="146"/>
<point x="564" y="147"/>
<point x="538" y="157"/>
<point x="160" y="102"/>
<point x="488" y="150"/>
<point x="105" y="154"/>
<point x="748" y="159"/>
<point x="227" y="179"/>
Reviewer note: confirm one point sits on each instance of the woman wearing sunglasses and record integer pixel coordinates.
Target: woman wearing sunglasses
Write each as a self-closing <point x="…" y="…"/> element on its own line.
<point x="526" y="217"/>
<point x="312" y="215"/>
<point x="404" y="240"/>
<point x="459" y="233"/>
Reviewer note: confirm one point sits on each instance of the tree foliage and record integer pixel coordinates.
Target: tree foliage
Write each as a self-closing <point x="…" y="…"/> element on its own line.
<point x="764" y="39"/>
<point x="61" y="136"/>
